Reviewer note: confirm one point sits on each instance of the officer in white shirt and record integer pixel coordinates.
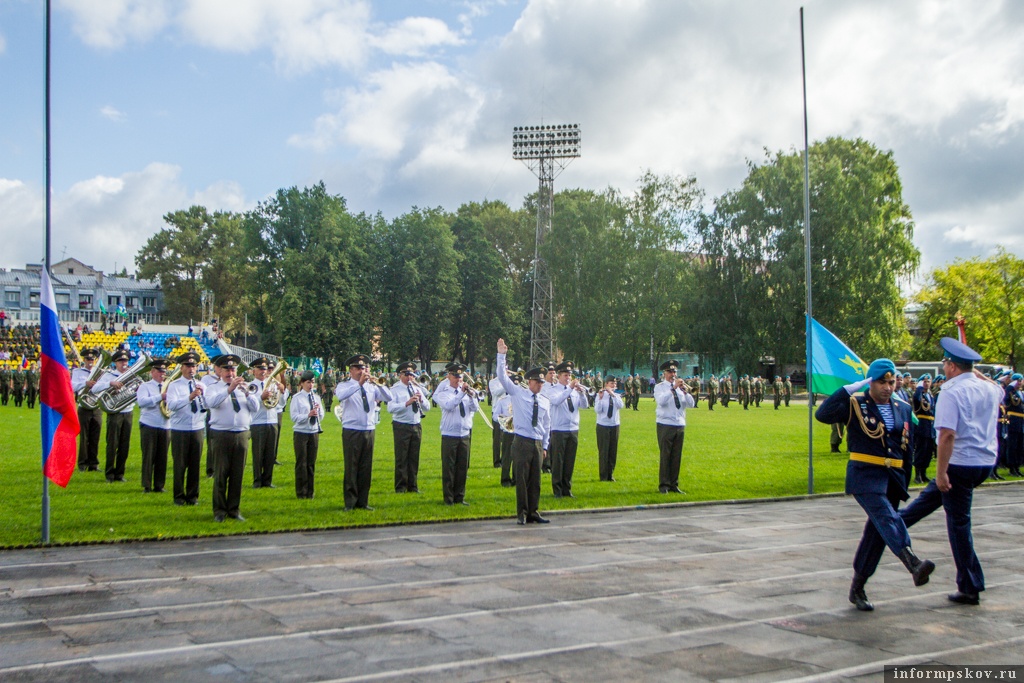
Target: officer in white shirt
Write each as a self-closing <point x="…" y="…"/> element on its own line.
<point x="408" y="405"/>
<point x="359" y="396"/>
<point x="231" y="411"/>
<point x="90" y="421"/>
<point x="458" y="401"/>
<point x="568" y="398"/>
<point x="671" y="400"/>
<point x="501" y="409"/>
<point x="607" y="406"/>
<point x="119" y="425"/>
<point x="496" y="391"/>
<point x="263" y="430"/>
<point x="188" y="409"/>
<point x="307" y="413"/>
<point x="531" y="424"/>
<point x="154" y="428"/>
<point x="211" y="377"/>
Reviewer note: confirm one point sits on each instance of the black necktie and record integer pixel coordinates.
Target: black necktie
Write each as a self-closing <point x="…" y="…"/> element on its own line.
<point x="572" y="408"/>
<point x="609" y="406"/>
<point x="234" y="402"/>
<point x="312" y="406"/>
<point x="416" y="405"/>
<point x="534" y="420"/>
<point x="676" y="397"/>
<point x="462" y="409"/>
<point x="195" y="404"/>
<point x="366" y="404"/>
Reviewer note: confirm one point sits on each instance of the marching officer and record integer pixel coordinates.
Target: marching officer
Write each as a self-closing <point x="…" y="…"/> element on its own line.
<point x="924" y="431"/>
<point x="778" y="390"/>
<point x="788" y="384"/>
<point x="32" y="385"/>
<point x="1013" y="400"/>
<point x="5" y="384"/>
<point x="712" y="392"/>
<point x="18" y="386"/>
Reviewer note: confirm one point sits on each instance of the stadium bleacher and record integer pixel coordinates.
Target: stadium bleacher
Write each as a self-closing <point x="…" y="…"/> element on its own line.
<point x="165" y="345"/>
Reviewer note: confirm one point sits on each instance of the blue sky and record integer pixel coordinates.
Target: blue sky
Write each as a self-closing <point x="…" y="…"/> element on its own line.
<point x="158" y="104"/>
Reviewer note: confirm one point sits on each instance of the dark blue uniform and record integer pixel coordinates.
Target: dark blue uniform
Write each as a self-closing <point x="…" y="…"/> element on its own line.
<point x="924" y="433"/>
<point x="1013" y="402"/>
<point x="878" y="488"/>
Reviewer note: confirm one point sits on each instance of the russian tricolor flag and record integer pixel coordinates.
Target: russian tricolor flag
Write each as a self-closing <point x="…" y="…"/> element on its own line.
<point x="59" y="411"/>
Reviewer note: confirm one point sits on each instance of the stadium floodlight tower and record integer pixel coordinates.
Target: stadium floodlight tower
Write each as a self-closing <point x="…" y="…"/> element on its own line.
<point x="546" y="150"/>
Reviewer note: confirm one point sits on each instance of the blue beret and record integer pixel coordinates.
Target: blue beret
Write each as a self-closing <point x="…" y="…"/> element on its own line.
<point x="940" y="376"/>
<point x="924" y="377"/>
<point x="906" y="374"/>
<point x="959" y="352"/>
<point x="1016" y="376"/>
<point x="880" y="368"/>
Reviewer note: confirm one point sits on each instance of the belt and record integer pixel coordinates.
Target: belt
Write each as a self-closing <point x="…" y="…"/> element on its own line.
<point x="1013" y="414"/>
<point x="876" y="460"/>
<point x="925" y="417"/>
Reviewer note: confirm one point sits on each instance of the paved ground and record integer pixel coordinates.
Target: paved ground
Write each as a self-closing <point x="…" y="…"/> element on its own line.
<point x="751" y="591"/>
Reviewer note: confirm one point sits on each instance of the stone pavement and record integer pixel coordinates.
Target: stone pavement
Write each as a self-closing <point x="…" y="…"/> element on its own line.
<point x="745" y="591"/>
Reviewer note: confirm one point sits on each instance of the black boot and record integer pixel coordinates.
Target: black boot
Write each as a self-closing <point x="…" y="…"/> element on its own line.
<point x="917" y="476"/>
<point x="835" y="449"/>
<point x="857" y="595"/>
<point x="995" y="474"/>
<point x="920" y="569"/>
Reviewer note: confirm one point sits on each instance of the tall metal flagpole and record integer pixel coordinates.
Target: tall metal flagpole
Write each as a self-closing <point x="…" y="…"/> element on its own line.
<point x="46" y="257"/>
<point x="807" y="269"/>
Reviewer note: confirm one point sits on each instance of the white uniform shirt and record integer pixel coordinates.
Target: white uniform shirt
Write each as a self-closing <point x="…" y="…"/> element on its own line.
<point x="563" y="419"/>
<point x="358" y="416"/>
<point x="502" y="407"/>
<point x="103" y="383"/>
<point x="601" y="409"/>
<point x="263" y="416"/>
<point x="182" y="417"/>
<point x="223" y="416"/>
<point x="78" y="377"/>
<point x="449" y="398"/>
<point x="402" y="413"/>
<point x="666" y="412"/>
<point x="523" y="401"/>
<point x="302" y="403"/>
<point x="148" y="398"/>
<point x="970" y="407"/>
<point x="283" y="403"/>
<point x="497" y="391"/>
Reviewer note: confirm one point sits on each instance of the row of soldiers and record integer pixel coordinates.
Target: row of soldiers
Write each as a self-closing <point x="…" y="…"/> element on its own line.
<point x="20" y="384"/>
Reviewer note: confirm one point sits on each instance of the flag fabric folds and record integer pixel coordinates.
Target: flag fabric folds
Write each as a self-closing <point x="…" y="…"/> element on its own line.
<point x="58" y="409"/>
<point x="833" y="364"/>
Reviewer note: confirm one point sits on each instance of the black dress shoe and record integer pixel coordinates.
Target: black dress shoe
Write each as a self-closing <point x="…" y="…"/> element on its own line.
<point x="462" y="502"/>
<point x="147" y="490"/>
<point x="349" y="508"/>
<point x="857" y="595"/>
<point x="158" y="490"/>
<point x="569" y="495"/>
<point x="218" y="518"/>
<point x="675" y="489"/>
<point x="998" y="477"/>
<point x="964" y="598"/>
<point x="237" y="518"/>
<point x="191" y="502"/>
<point x="535" y="518"/>
<point x="364" y="507"/>
<point x="611" y="478"/>
<point x="521" y="520"/>
<point x="179" y="502"/>
<point x="257" y="486"/>
<point x="269" y="486"/>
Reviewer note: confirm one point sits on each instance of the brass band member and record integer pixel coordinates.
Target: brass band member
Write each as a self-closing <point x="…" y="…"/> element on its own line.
<point x="501" y="410"/>
<point x="211" y="377"/>
<point x="458" y="401"/>
<point x="359" y="396"/>
<point x="671" y="400"/>
<point x="231" y="411"/>
<point x="567" y="398"/>
<point x="496" y="391"/>
<point x="154" y="428"/>
<point x="264" y="428"/>
<point x="307" y="413"/>
<point x="607" y="405"/>
<point x="407" y="408"/>
<point x="188" y="409"/>
<point x="91" y="421"/>
<point x="119" y="425"/>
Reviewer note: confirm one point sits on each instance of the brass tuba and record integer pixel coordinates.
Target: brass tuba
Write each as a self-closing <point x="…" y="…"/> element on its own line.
<point x="86" y="399"/>
<point x="271" y="383"/>
<point x="115" y="400"/>
<point x="164" y="410"/>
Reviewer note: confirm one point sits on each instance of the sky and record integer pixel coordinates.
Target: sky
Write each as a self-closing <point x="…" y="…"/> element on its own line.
<point x="157" y="105"/>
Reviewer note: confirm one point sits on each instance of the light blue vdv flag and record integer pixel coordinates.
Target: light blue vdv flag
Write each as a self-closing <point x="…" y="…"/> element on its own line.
<point x="318" y="367"/>
<point x="833" y="364"/>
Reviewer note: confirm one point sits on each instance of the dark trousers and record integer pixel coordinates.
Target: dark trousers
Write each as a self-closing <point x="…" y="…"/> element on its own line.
<point x="277" y="441"/>
<point x="264" y="453"/>
<point x="506" y="459"/>
<point x="454" y="467"/>
<point x="358" y="447"/>
<point x="187" y="454"/>
<point x="306" y="447"/>
<point x="229" y="451"/>
<point x="209" y="451"/>
<point x="872" y="543"/>
<point x="89" y="438"/>
<point x="496" y="443"/>
<point x="5" y="393"/>
<point x="526" y="458"/>
<point x="924" y="449"/>
<point x="154" y="442"/>
<point x="119" y="438"/>
<point x="407" y="456"/>
<point x="670" y="444"/>
<point x="30" y="396"/>
<point x="19" y="395"/>
<point x="1014" y="450"/>
<point x="957" y="503"/>
<point x="607" y="451"/>
<point x="562" y="449"/>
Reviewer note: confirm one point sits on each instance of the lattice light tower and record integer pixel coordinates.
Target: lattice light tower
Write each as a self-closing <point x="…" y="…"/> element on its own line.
<point x="546" y="150"/>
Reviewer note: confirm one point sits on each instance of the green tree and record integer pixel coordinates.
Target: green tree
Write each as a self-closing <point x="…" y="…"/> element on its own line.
<point x="987" y="293"/>
<point x="310" y="292"/>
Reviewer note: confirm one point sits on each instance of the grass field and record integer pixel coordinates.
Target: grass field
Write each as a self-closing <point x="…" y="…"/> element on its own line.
<point x="728" y="454"/>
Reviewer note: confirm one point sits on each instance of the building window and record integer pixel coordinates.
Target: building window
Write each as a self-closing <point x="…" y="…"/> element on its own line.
<point x="62" y="298"/>
<point x="71" y="271"/>
<point x="113" y="301"/>
<point x="131" y="302"/>
<point x="149" y="302"/>
<point x="33" y="299"/>
<point x="85" y="301"/>
<point x="12" y="297"/>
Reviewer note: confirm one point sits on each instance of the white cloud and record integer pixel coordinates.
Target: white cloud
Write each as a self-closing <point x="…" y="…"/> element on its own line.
<point x="113" y="114"/>
<point x="112" y="23"/>
<point x="103" y="220"/>
<point x="3" y="44"/>
<point x="414" y="36"/>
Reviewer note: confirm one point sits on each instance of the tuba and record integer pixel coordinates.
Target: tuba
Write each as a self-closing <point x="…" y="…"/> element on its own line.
<point x="86" y="399"/>
<point x="271" y="383"/>
<point x="115" y="400"/>
<point x="164" y="410"/>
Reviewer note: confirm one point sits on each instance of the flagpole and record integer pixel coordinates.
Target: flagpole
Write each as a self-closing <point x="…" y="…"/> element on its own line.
<point x="807" y="269"/>
<point x="46" y="256"/>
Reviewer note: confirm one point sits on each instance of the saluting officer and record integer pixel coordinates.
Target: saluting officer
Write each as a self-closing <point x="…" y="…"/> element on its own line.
<point x="407" y="406"/>
<point x="671" y="399"/>
<point x="188" y="409"/>
<point x="307" y="413"/>
<point x="90" y="421"/>
<point x="231" y="411"/>
<point x="607" y="406"/>
<point x="154" y="428"/>
<point x="878" y="437"/>
<point x="119" y="425"/>
<point x="359" y="396"/>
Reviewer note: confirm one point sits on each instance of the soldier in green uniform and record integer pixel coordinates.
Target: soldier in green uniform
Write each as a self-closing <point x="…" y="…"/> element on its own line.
<point x="778" y="389"/>
<point x="293" y="381"/>
<point x="5" y="385"/>
<point x="712" y="392"/>
<point x="695" y="389"/>
<point x="744" y="396"/>
<point x="726" y="390"/>
<point x="329" y="384"/>
<point x="18" y="386"/>
<point x="758" y="391"/>
<point x="32" y="385"/>
<point x="836" y="437"/>
<point x="788" y="384"/>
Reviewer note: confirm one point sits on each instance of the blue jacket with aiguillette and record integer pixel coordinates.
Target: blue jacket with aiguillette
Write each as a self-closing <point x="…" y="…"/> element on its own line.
<point x="924" y="409"/>
<point x="1014" y="403"/>
<point x="867" y="437"/>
